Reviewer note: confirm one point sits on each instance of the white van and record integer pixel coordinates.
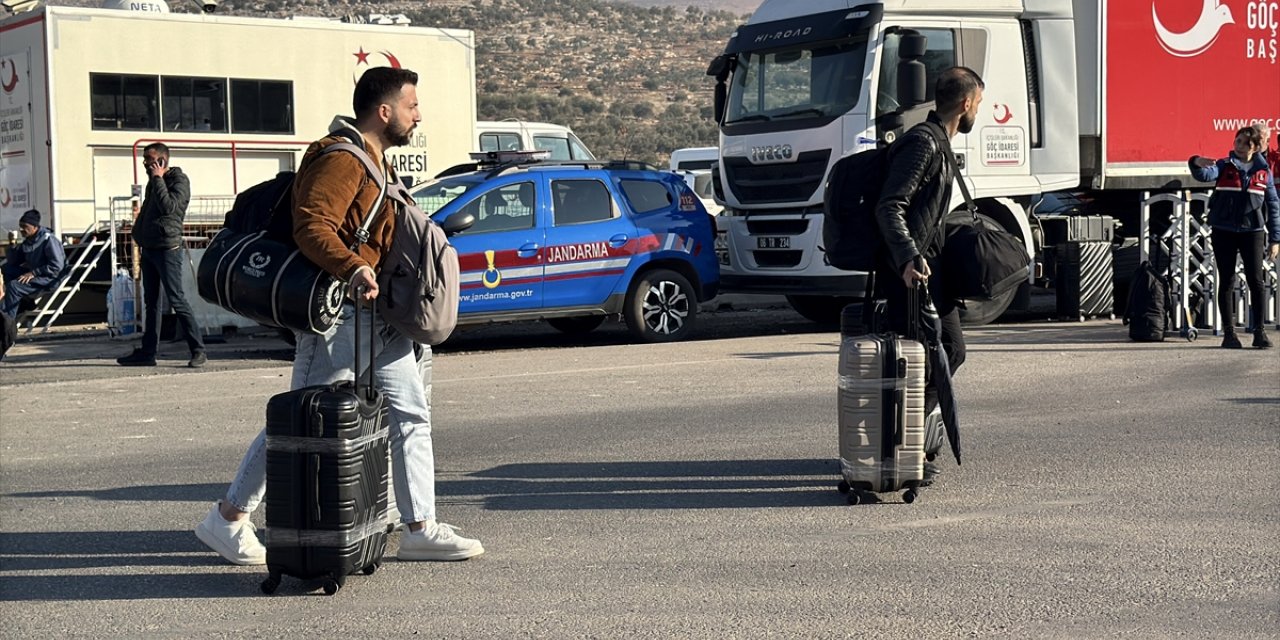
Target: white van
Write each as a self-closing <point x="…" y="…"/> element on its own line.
<point x="695" y="165"/>
<point x="694" y="158"/>
<point x="517" y="135"/>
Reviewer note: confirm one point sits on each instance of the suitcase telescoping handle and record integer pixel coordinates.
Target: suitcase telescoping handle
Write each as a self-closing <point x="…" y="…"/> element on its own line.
<point x="913" y="303"/>
<point x="368" y="388"/>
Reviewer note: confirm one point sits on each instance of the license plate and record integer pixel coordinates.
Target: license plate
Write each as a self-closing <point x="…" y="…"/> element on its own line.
<point x="773" y="242"/>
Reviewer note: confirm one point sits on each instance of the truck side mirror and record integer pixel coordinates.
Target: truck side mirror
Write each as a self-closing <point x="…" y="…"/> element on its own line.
<point x="720" y="67"/>
<point x="912" y="89"/>
<point x="721" y="96"/>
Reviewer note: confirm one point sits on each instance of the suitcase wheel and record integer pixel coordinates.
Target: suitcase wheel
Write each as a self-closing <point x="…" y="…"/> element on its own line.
<point x="368" y="571"/>
<point x="270" y="585"/>
<point x="843" y="487"/>
<point x="909" y="496"/>
<point x="854" y="497"/>
<point x="332" y="584"/>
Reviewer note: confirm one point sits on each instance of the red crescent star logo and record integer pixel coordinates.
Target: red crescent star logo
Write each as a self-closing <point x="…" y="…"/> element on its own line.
<point x="1007" y="115"/>
<point x="6" y="200"/>
<point x="362" y="57"/>
<point x="391" y="60"/>
<point x="13" y="76"/>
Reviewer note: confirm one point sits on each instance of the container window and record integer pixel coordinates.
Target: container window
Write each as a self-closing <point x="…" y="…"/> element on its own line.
<point x="124" y="102"/>
<point x="261" y="106"/>
<point x="194" y="104"/>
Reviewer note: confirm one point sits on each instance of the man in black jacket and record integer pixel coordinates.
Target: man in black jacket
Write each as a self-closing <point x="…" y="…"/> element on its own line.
<point x="913" y="203"/>
<point x="158" y="233"/>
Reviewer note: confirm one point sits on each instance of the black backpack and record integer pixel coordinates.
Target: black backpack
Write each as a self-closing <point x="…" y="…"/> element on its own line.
<point x="850" y="235"/>
<point x="1149" y="305"/>
<point x="267" y="206"/>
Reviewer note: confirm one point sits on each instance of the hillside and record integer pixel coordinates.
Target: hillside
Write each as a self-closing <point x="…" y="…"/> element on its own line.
<point x="630" y="80"/>
<point x="733" y="6"/>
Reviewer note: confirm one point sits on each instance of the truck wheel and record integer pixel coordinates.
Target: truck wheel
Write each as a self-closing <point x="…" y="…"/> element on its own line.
<point x="661" y="306"/>
<point x="980" y="312"/>
<point x="577" y="325"/>
<point x="820" y="309"/>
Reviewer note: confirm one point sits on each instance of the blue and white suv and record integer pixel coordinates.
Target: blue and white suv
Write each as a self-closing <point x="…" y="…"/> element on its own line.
<point x="576" y="243"/>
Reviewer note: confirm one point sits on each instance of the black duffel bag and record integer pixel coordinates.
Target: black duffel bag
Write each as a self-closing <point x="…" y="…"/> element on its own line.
<point x="263" y="277"/>
<point x="269" y="282"/>
<point x="980" y="262"/>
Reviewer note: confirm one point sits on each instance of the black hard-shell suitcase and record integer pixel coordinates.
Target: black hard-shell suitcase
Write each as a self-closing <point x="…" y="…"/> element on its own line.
<point x="1085" y="285"/>
<point x="326" y="481"/>
<point x="880" y="405"/>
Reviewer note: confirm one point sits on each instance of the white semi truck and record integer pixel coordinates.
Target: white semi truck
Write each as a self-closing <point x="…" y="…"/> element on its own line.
<point x="1107" y="96"/>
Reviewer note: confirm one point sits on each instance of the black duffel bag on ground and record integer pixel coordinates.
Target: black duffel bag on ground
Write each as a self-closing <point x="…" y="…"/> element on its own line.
<point x="980" y="262"/>
<point x="264" y="277"/>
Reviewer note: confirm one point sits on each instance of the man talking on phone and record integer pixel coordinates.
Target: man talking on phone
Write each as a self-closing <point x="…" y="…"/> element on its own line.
<point x="158" y="233"/>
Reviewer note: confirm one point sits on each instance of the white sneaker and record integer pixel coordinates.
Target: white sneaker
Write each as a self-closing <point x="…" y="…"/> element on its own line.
<point x="437" y="541"/>
<point x="235" y="541"/>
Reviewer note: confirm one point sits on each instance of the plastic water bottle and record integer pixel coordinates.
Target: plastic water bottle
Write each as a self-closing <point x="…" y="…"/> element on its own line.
<point x="121" y="315"/>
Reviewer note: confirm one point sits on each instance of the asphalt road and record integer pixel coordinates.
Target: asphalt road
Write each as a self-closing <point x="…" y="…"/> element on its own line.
<point x="1109" y="489"/>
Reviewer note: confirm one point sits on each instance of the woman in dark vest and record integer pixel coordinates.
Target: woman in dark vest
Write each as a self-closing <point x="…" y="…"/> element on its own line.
<point x="1244" y="212"/>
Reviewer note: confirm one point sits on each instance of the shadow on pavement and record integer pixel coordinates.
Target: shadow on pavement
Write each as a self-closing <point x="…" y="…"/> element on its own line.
<point x="711" y="484"/>
<point x="131" y="586"/>
<point x="62" y="551"/>
<point x="202" y="493"/>
<point x="1275" y="400"/>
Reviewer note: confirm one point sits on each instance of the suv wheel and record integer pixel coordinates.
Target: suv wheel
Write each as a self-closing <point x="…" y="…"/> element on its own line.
<point x="661" y="306"/>
<point x="577" y="325"/>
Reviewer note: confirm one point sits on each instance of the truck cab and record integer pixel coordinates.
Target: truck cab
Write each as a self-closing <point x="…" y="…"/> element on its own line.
<point x="803" y="84"/>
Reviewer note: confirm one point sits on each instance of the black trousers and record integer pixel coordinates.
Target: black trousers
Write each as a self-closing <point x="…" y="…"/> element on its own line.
<point x="1250" y="246"/>
<point x="163" y="268"/>
<point x="890" y="287"/>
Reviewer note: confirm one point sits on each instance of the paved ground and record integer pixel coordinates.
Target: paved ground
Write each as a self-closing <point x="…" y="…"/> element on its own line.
<point x="1109" y="489"/>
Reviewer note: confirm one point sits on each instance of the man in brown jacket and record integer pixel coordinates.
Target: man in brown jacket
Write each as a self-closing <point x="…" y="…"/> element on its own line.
<point x="332" y="195"/>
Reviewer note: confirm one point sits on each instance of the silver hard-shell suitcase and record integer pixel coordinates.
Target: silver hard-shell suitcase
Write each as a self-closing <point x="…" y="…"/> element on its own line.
<point x="881" y="413"/>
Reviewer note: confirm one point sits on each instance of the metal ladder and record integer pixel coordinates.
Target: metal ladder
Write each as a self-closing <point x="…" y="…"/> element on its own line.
<point x="70" y="283"/>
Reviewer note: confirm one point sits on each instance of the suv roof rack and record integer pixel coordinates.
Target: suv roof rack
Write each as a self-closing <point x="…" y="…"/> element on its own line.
<point x="499" y="162"/>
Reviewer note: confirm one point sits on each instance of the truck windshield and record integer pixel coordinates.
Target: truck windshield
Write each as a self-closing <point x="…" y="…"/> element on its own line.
<point x="816" y="82"/>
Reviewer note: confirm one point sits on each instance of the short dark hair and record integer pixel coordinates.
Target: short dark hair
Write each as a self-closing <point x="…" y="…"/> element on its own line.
<point x="158" y="147"/>
<point x="378" y="85"/>
<point x="1252" y="135"/>
<point x="953" y="86"/>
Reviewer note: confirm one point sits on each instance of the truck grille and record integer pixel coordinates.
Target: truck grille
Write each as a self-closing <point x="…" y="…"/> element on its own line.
<point x="778" y="258"/>
<point x="766" y="183"/>
<point x="777" y="227"/>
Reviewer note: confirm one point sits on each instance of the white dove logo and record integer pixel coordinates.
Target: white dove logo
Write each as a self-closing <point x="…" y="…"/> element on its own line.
<point x="1196" y="40"/>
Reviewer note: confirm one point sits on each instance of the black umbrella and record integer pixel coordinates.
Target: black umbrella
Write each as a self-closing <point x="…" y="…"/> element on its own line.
<point x="941" y="374"/>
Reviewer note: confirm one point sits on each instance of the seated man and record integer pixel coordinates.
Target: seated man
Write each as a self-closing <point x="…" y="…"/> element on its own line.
<point x="33" y="266"/>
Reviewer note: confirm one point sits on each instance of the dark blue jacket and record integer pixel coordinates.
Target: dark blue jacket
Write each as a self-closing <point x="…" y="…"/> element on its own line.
<point x="1244" y="197"/>
<point x="40" y="254"/>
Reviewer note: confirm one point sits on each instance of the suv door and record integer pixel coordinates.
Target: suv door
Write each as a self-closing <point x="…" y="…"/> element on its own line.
<point x="501" y="254"/>
<point x="587" y="252"/>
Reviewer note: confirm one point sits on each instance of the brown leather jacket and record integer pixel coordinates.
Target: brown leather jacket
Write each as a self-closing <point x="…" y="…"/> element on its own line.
<point x="331" y="195"/>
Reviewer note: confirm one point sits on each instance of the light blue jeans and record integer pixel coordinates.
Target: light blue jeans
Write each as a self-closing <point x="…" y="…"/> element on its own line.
<point x="403" y="377"/>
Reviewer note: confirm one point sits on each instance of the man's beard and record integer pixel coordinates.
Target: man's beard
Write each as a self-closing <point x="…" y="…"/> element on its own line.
<point x="966" y="123"/>
<point x="397" y="135"/>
